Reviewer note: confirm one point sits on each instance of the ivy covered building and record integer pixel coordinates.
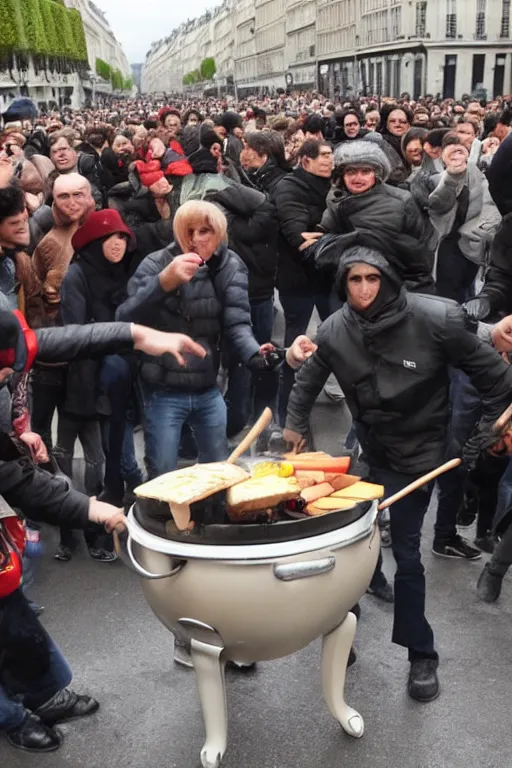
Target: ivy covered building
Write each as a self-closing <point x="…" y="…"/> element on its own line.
<point x="49" y="51"/>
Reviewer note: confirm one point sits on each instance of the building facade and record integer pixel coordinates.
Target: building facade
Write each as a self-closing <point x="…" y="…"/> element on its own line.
<point x="74" y="88"/>
<point x="379" y="47"/>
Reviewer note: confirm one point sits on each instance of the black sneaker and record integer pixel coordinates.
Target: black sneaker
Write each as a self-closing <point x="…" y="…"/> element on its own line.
<point x="488" y="587"/>
<point x="34" y="736"/>
<point x="66" y="705"/>
<point x="456" y="548"/>
<point x="102" y="555"/>
<point x="63" y="554"/>
<point x="383" y="591"/>
<point x="423" y="683"/>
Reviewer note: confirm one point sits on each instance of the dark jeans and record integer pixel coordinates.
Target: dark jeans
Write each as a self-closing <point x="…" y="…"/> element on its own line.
<point x="117" y="384"/>
<point x="465" y="413"/>
<point x="16" y="696"/>
<point x="455" y="274"/>
<point x="165" y="413"/>
<point x="88" y="431"/>
<point x="48" y="390"/>
<point x="410" y="628"/>
<point x="248" y="394"/>
<point x="297" y="314"/>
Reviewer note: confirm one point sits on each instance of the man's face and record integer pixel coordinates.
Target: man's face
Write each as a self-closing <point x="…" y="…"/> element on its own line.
<point x="14" y="231"/>
<point x="250" y="159"/>
<point x="466" y="134"/>
<point x="420" y="119"/>
<point x="72" y="202"/>
<point x="63" y="156"/>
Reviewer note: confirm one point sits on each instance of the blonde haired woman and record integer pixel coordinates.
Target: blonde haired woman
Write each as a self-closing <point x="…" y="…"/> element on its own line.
<point x="195" y="286"/>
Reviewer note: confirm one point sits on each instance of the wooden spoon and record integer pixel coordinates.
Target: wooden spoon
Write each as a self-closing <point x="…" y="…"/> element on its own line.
<point x="252" y="435"/>
<point x="419" y="483"/>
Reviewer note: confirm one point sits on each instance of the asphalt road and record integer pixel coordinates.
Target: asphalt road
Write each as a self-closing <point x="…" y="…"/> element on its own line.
<point x="150" y="716"/>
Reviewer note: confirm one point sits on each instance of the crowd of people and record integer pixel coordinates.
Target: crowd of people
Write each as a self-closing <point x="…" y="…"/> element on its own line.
<point x="144" y="248"/>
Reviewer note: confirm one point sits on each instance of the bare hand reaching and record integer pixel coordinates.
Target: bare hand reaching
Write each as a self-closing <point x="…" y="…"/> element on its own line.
<point x="300" y="350"/>
<point x="181" y="270"/>
<point x="158" y="343"/>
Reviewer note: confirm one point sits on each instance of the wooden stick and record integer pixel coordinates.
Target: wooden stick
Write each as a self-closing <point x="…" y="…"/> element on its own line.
<point x="262" y="423"/>
<point x="420" y="482"/>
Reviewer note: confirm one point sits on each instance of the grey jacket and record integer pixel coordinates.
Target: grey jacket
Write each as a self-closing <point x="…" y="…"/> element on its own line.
<point x="482" y="218"/>
<point x="213" y="306"/>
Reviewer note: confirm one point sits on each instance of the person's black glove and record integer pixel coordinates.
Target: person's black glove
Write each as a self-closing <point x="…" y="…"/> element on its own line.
<point x="482" y="438"/>
<point x="478" y="308"/>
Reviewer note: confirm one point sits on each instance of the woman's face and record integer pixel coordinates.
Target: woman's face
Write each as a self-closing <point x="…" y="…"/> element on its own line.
<point x="363" y="285"/>
<point x="414" y="152"/>
<point x="193" y="120"/>
<point x="397" y="123"/>
<point x="173" y="124"/>
<point x="359" y="179"/>
<point x="351" y="125"/>
<point x="114" y="248"/>
<point x="202" y="239"/>
<point x="122" y="146"/>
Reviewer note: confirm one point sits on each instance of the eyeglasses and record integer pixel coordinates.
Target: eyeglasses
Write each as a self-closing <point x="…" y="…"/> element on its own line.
<point x="398" y="122"/>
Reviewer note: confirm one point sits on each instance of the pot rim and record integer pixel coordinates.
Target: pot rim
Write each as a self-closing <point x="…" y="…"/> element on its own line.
<point x="255" y="553"/>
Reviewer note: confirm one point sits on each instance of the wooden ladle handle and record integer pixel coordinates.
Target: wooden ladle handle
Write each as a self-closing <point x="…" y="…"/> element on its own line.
<point x="255" y="431"/>
<point x="420" y="482"/>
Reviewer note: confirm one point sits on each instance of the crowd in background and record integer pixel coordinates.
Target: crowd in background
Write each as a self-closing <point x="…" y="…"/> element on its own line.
<point x="198" y="216"/>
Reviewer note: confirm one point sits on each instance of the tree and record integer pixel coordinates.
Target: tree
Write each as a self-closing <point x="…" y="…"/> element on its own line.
<point x="208" y="68"/>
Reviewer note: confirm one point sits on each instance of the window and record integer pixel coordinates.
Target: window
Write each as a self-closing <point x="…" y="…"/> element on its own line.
<point x="480" y="19"/>
<point x="451" y="18"/>
<point x="505" y="19"/>
<point x="396" y="22"/>
<point x="421" y="19"/>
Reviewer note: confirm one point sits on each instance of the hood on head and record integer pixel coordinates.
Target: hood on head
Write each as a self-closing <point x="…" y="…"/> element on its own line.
<point x="362" y="254"/>
<point x="363" y="153"/>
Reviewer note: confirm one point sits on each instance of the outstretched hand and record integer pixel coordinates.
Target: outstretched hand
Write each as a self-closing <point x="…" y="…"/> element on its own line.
<point x="158" y="343"/>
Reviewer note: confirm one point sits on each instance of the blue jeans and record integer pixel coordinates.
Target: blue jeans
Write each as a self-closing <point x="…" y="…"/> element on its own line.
<point x="17" y="697"/>
<point x="247" y="395"/>
<point x="297" y="314"/>
<point x="465" y="413"/>
<point x="410" y="627"/>
<point x="166" y="412"/>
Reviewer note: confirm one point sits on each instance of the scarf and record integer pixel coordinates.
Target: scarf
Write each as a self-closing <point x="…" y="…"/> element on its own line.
<point x="319" y="185"/>
<point x="107" y="282"/>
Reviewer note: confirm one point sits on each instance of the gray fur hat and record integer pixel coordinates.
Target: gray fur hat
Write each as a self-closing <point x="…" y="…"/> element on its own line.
<point x="366" y="153"/>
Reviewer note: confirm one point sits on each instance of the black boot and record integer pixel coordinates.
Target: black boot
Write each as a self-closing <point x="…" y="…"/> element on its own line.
<point x="488" y="586"/>
<point x="33" y="736"/>
<point x="423" y="684"/>
<point x="66" y="705"/>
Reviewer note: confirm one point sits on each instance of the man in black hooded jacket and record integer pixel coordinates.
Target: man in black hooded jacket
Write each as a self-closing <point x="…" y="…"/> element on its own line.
<point x="390" y="353"/>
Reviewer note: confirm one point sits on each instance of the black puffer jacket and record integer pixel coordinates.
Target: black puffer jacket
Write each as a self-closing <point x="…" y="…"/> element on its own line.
<point x="252" y="234"/>
<point x="38" y="494"/>
<point x="213" y="306"/>
<point x="498" y="281"/>
<point x="300" y="199"/>
<point x="394" y="373"/>
<point x="499" y="175"/>
<point x="392" y="213"/>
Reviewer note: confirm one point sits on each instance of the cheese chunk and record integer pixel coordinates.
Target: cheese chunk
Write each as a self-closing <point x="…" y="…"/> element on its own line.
<point x="260" y="493"/>
<point x="361" y="492"/>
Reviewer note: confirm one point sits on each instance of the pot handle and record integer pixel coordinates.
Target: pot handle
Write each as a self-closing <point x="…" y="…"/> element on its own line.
<point x="304" y="570"/>
<point x="125" y="553"/>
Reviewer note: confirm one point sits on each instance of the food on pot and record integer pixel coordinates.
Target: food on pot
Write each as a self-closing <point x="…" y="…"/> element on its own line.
<point x="339" y="465"/>
<point x="259" y="493"/>
<point x="361" y="492"/>
<point x="312" y="455"/>
<point x="304" y="474"/>
<point x="339" y="482"/>
<point x="185" y="486"/>
<point x="328" y="504"/>
<point x="279" y="468"/>
<point x="316" y="492"/>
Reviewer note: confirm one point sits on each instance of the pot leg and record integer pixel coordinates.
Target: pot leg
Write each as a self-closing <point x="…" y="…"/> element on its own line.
<point x="335" y="653"/>
<point x="212" y="695"/>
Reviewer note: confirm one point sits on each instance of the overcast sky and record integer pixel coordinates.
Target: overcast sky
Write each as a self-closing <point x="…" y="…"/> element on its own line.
<point x="138" y="24"/>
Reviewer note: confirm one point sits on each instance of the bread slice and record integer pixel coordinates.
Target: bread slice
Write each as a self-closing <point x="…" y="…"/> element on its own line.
<point x="260" y="493"/>
<point x="361" y="492"/>
<point x="185" y="486"/>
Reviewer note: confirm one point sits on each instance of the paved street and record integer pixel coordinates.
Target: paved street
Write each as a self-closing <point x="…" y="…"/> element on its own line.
<point x="150" y="715"/>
